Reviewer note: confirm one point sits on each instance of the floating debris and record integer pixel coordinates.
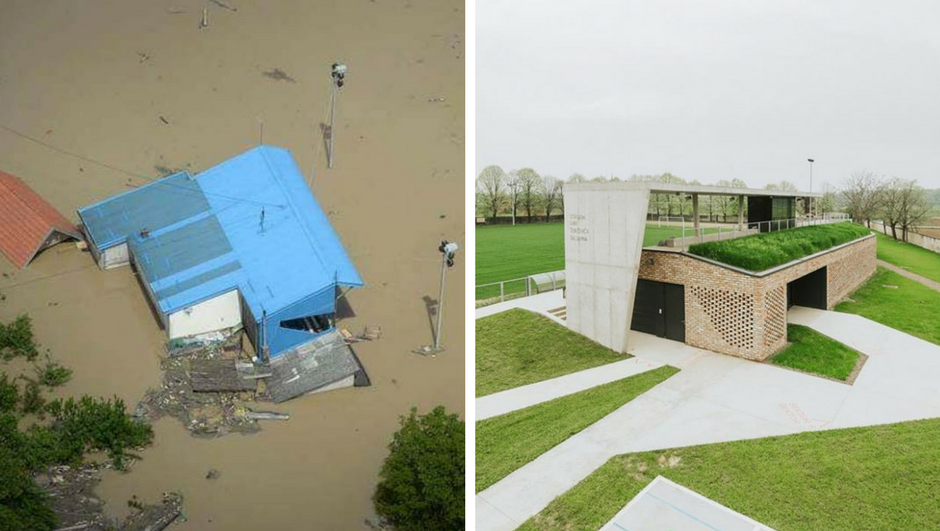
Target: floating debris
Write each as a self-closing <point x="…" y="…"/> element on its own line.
<point x="278" y="75"/>
<point x="266" y="415"/>
<point x="71" y="492"/>
<point x="204" y="414"/>
<point x="224" y="6"/>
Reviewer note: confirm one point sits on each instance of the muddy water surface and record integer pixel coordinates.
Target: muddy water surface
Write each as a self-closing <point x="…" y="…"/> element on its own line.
<point x="138" y="86"/>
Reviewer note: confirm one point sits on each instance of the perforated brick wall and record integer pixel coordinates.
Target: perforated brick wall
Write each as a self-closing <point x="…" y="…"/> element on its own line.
<point x="743" y="314"/>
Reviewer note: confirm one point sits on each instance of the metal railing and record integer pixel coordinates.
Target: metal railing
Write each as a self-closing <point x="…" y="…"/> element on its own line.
<point x="707" y="232"/>
<point x="504" y="290"/>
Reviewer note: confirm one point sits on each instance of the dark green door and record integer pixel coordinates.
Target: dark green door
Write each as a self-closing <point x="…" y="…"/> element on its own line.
<point x="659" y="309"/>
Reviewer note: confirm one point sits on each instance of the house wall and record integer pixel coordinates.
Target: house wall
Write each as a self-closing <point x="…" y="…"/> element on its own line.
<point x="112" y="257"/>
<point x="744" y="315"/>
<point x="218" y="313"/>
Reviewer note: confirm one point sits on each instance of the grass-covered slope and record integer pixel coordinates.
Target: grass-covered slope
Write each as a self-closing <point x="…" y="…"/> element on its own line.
<point x="509" y="441"/>
<point x="770" y="249"/>
<point x="518" y="347"/>
<point x="809" y="351"/>
<point x="909" y="256"/>
<point x="898" y="302"/>
<point x="859" y="479"/>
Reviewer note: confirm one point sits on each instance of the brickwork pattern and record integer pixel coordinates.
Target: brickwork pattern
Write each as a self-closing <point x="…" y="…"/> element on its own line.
<point x="744" y="315"/>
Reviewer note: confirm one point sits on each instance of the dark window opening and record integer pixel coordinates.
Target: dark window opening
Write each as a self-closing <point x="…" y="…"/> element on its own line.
<point x="313" y="323"/>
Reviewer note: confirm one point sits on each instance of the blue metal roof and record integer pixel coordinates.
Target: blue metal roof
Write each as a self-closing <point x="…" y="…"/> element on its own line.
<point x="152" y="206"/>
<point x="206" y="234"/>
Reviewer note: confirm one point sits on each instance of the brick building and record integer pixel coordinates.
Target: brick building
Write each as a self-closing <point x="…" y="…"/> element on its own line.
<point x="615" y="284"/>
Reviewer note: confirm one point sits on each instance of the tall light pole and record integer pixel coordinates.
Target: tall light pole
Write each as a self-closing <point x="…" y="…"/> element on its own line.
<point x="811" y="161"/>
<point x="447" y="250"/>
<point x="338" y="73"/>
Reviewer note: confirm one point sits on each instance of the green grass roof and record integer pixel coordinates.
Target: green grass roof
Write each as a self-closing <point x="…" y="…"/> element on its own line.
<point x="770" y="249"/>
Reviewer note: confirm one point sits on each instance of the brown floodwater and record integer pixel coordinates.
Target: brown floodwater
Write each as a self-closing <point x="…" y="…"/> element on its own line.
<point x="140" y="87"/>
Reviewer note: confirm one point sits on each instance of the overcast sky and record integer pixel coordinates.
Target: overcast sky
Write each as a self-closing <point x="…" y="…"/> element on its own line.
<point x="710" y="90"/>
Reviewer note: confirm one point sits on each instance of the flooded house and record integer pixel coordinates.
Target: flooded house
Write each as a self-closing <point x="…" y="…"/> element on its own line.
<point x="242" y="245"/>
<point x="28" y="224"/>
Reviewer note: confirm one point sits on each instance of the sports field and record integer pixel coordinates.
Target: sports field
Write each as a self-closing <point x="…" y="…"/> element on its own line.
<point x="509" y="252"/>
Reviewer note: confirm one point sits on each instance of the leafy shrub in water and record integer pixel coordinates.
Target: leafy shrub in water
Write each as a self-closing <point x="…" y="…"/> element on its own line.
<point x="91" y="424"/>
<point x="16" y="339"/>
<point x="32" y="401"/>
<point x="53" y="374"/>
<point x="770" y="249"/>
<point x="22" y="502"/>
<point x="9" y="394"/>
<point x="422" y="480"/>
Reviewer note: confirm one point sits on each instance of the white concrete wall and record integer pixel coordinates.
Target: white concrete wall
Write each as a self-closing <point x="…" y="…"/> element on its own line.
<point x="931" y="244"/>
<point x="603" y="241"/>
<point x="116" y="256"/>
<point x="214" y="314"/>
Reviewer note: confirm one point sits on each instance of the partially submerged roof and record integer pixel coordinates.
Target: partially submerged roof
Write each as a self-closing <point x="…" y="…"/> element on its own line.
<point x="314" y="366"/>
<point x="679" y="188"/>
<point x="249" y="223"/>
<point x="27" y="221"/>
<point x="153" y="206"/>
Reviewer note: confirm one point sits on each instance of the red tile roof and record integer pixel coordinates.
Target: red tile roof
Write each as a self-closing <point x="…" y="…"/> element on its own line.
<point x="26" y="220"/>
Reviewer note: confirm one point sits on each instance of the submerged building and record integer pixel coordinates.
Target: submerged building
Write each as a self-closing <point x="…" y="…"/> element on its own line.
<point x="28" y="224"/>
<point x="242" y="244"/>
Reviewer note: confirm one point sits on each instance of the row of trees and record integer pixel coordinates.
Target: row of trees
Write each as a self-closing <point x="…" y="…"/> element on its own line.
<point x="525" y="191"/>
<point x="901" y="204"/>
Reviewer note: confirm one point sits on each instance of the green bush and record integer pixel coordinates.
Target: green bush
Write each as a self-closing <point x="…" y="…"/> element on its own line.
<point x="91" y="424"/>
<point x="9" y="394"/>
<point x="53" y="374"/>
<point x="16" y="339"/>
<point x="22" y="502"/>
<point x="770" y="249"/>
<point x="422" y="480"/>
<point x="33" y="401"/>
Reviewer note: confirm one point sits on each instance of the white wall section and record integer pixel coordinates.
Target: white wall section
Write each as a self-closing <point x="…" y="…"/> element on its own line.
<point x="603" y="241"/>
<point x="218" y="313"/>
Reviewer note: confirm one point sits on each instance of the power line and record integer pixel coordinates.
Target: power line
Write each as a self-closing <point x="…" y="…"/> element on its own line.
<point x="130" y="173"/>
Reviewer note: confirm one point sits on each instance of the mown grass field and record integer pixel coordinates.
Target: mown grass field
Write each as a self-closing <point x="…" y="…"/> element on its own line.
<point x="909" y="256"/>
<point x="909" y="307"/>
<point x="506" y="252"/>
<point x="809" y="351"/>
<point x="507" y="442"/>
<point x="859" y="479"/>
<point x="519" y="347"/>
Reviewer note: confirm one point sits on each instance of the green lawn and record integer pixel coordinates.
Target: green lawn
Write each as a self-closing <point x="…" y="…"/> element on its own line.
<point x="519" y="347"/>
<point x="911" y="307"/>
<point x="909" y="256"/>
<point x="770" y="249"/>
<point x="809" y="351"/>
<point x="506" y="252"/>
<point x="860" y="479"/>
<point x="509" y="441"/>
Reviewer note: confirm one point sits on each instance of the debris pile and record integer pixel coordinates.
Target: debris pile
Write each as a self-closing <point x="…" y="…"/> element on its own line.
<point x="71" y="496"/>
<point x="204" y="413"/>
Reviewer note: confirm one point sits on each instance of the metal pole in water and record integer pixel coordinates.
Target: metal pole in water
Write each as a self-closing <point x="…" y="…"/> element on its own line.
<point x="440" y="304"/>
<point x="329" y="150"/>
<point x="338" y="73"/>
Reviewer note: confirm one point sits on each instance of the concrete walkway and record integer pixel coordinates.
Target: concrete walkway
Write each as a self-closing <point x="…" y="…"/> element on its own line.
<point x="530" y="395"/>
<point x="717" y="398"/>
<point x="932" y="284"/>
<point x="663" y="504"/>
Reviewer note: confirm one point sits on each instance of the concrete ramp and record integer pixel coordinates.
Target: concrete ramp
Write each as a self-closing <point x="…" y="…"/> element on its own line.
<point x="664" y="505"/>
